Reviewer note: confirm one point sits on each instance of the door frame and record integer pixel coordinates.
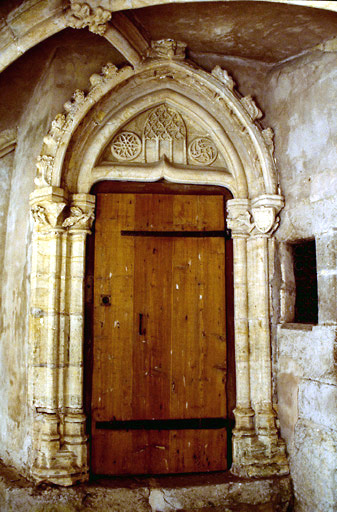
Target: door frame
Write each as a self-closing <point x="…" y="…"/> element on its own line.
<point x="63" y="212"/>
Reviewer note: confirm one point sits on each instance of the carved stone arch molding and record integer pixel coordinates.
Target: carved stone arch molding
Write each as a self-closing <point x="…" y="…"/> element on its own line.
<point x="165" y="119"/>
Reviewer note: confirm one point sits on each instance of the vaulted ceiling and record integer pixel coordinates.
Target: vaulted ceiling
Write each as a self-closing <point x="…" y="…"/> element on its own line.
<point x="258" y="30"/>
<point x="261" y="30"/>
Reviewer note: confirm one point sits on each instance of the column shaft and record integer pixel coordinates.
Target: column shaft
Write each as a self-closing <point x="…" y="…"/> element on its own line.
<point x="243" y="412"/>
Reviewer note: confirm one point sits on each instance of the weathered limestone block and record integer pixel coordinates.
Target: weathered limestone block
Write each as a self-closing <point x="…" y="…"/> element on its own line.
<point x="318" y="403"/>
<point x="326" y="251"/>
<point x="308" y="352"/>
<point x="307" y="395"/>
<point x="306" y="362"/>
<point x="314" y="467"/>
<point x="287" y="394"/>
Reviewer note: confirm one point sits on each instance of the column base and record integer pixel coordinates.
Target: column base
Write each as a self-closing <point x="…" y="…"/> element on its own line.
<point x="56" y="460"/>
<point x="244" y="421"/>
<point x="75" y="439"/>
<point x="256" y="456"/>
<point x="62" y="471"/>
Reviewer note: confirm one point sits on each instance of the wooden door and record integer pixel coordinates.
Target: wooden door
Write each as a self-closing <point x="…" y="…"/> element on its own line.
<point x="159" y="350"/>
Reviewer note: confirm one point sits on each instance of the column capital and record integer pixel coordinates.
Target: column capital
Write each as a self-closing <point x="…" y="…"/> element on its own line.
<point x="265" y="209"/>
<point x="47" y="207"/>
<point x="239" y="217"/>
<point x="81" y="213"/>
<point x="254" y="217"/>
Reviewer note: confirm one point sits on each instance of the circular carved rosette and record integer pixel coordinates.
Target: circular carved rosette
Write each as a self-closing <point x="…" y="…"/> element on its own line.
<point x="203" y="150"/>
<point x="126" y="146"/>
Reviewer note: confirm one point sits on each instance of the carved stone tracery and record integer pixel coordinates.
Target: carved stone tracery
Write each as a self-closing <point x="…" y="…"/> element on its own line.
<point x="164" y="134"/>
<point x="203" y="150"/>
<point x="126" y="146"/>
<point x="164" y="123"/>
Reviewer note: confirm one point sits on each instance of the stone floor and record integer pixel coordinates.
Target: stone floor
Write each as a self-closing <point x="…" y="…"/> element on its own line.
<point x="213" y="492"/>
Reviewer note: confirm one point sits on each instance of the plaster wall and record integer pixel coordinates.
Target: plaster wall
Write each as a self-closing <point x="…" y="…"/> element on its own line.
<point x="300" y="102"/>
<point x="6" y="166"/>
<point x="57" y="70"/>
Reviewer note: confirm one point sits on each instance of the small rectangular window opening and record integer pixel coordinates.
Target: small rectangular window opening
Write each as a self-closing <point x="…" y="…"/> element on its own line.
<point x="305" y="273"/>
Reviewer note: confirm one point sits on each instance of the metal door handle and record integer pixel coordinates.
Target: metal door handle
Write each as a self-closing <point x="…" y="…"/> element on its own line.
<point x="142" y="330"/>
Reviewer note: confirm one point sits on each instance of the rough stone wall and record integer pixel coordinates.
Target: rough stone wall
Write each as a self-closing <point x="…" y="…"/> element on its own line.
<point x="300" y="103"/>
<point x="58" y="69"/>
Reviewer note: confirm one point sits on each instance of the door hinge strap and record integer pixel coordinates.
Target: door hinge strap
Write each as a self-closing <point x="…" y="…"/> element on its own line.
<point x="179" y="234"/>
<point x="171" y="424"/>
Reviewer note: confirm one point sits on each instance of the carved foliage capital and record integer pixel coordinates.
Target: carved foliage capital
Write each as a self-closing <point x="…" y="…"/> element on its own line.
<point x="48" y="214"/>
<point x="239" y="217"/>
<point x="81" y="214"/>
<point x="82" y="15"/>
<point x="47" y="207"/>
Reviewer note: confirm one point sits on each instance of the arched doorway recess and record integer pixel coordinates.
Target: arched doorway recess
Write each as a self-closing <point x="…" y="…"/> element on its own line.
<point x="165" y="119"/>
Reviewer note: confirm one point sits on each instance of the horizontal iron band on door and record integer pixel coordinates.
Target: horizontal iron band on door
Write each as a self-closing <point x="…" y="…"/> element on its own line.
<point x="182" y="234"/>
<point x="171" y="424"/>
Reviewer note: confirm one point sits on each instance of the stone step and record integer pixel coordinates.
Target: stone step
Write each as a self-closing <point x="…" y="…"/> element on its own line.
<point x="212" y="492"/>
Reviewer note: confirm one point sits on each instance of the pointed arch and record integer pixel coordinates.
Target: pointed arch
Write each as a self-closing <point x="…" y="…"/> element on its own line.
<point x="116" y="94"/>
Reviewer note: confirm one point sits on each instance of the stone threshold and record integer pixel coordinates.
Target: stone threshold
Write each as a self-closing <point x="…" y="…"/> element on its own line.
<point x="211" y="492"/>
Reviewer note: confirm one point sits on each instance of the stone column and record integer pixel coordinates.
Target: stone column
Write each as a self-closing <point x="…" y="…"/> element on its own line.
<point x="78" y="224"/>
<point x="59" y="452"/>
<point x="257" y="448"/>
<point x="264" y="212"/>
<point x="270" y="458"/>
<point x="47" y="206"/>
<point x="238" y="220"/>
<point x="259" y="333"/>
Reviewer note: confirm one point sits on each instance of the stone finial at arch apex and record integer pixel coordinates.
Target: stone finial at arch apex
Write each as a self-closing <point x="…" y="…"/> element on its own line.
<point x="167" y="49"/>
<point x="167" y="69"/>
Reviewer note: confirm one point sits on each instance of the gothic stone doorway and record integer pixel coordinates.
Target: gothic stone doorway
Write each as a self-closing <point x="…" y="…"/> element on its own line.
<point x="162" y="377"/>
